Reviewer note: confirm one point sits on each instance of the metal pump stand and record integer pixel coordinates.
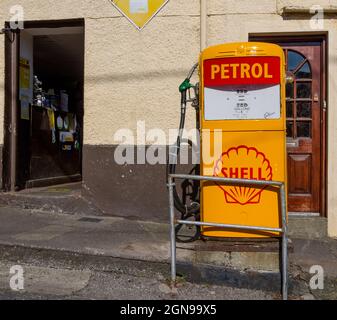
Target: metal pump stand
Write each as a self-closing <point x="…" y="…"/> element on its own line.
<point x="230" y="181"/>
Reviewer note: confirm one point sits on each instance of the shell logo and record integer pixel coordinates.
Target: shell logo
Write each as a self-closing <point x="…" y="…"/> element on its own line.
<point x="244" y="163"/>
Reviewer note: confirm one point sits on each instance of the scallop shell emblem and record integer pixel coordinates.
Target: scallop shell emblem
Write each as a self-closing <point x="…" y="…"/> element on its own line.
<point x="245" y="163"/>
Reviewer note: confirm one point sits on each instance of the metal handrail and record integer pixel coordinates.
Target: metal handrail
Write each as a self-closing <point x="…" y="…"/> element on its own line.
<point x="231" y="181"/>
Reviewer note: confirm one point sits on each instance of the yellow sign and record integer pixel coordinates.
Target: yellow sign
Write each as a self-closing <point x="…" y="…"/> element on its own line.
<point x="24" y="74"/>
<point x="139" y="12"/>
<point x="243" y="135"/>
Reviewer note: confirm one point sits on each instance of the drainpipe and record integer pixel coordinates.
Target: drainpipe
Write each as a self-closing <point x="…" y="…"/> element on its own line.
<point x="203" y="24"/>
<point x="15" y="53"/>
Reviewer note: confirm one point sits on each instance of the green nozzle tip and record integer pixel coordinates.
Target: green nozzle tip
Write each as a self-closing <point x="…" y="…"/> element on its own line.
<point x="185" y="85"/>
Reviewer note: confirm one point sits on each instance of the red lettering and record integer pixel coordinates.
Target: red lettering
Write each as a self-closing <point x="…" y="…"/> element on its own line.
<point x="260" y="174"/>
<point x="234" y="173"/>
<point x="224" y="172"/>
<point x="251" y="173"/>
<point x="244" y="173"/>
<point x="241" y="70"/>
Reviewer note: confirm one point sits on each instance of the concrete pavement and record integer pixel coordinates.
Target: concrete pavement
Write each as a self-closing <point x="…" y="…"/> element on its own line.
<point x="60" y="283"/>
<point x="139" y="248"/>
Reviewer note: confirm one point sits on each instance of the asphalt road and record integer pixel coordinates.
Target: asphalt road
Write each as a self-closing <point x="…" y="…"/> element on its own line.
<point x="59" y="283"/>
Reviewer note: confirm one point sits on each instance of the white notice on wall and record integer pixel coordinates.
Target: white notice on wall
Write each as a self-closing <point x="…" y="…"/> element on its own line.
<point x="242" y="102"/>
<point x="139" y="6"/>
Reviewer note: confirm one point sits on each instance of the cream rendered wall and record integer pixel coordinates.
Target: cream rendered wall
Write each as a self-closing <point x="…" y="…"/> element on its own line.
<point x="132" y="75"/>
<point x="129" y="75"/>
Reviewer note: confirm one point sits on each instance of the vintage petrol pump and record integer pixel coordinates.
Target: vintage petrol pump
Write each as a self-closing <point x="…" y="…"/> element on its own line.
<point x="242" y="122"/>
<point x="241" y="117"/>
<point x="243" y="134"/>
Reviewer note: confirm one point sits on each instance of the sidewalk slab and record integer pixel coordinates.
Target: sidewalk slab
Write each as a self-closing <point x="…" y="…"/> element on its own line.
<point x="142" y="247"/>
<point x="127" y="239"/>
<point x="109" y="236"/>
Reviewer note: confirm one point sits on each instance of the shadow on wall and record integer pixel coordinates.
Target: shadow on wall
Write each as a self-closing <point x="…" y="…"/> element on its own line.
<point x="124" y="77"/>
<point x="134" y="191"/>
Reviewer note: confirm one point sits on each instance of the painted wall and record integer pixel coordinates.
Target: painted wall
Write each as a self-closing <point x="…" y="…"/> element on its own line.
<point x="132" y="75"/>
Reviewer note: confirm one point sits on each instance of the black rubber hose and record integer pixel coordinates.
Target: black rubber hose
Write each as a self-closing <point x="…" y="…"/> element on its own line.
<point x="186" y="211"/>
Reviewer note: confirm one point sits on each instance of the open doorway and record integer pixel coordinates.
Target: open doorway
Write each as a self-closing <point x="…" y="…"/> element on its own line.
<point x="50" y="111"/>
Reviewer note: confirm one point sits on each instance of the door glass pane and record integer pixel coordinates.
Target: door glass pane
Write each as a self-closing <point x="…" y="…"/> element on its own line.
<point x="290" y="129"/>
<point x="294" y="59"/>
<point x="303" y="129"/>
<point x="290" y="109"/>
<point x="303" y="109"/>
<point x="290" y="90"/>
<point x="304" y="72"/>
<point x="303" y="90"/>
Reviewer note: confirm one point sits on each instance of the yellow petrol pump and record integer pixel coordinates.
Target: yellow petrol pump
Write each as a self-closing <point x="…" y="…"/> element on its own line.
<point x="243" y="135"/>
<point x="241" y="114"/>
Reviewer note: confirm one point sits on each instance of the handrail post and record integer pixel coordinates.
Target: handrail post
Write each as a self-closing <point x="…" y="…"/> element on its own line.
<point x="284" y="244"/>
<point x="283" y="230"/>
<point x="172" y="231"/>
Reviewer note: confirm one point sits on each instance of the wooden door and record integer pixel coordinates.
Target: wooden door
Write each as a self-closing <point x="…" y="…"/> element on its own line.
<point x="304" y="101"/>
<point x="306" y="119"/>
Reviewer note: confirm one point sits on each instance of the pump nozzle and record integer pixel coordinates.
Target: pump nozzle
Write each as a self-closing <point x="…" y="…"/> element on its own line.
<point x="185" y="85"/>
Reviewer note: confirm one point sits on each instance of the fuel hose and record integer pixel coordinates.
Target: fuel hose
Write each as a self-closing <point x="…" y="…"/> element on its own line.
<point x="192" y="210"/>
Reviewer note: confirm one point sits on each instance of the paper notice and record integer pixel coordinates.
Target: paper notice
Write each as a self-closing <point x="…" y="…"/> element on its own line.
<point x="139" y="6"/>
<point x="245" y="102"/>
<point x="24" y="107"/>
